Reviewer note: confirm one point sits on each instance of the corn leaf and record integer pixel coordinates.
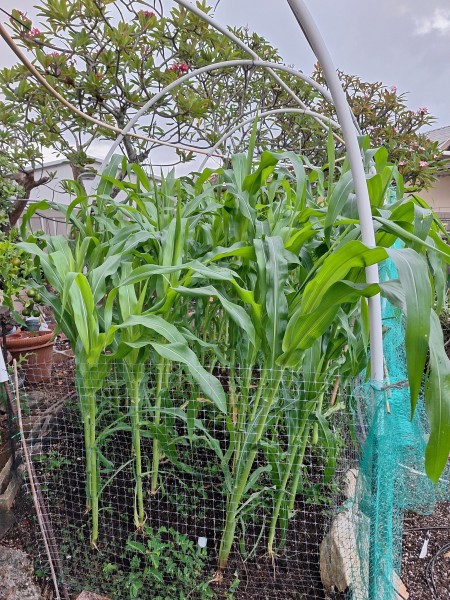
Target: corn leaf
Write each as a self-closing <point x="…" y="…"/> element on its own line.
<point x="437" y="401"/>
<point x="210" y="385"/>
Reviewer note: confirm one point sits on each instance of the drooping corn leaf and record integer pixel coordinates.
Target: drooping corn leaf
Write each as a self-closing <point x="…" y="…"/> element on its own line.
<point x="209" y="384"/>
<point x="437" y="402"/>
<point x="413" y="274"/>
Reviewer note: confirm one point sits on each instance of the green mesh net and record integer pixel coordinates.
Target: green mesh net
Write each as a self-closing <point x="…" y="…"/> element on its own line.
<point x="391" y="476"/>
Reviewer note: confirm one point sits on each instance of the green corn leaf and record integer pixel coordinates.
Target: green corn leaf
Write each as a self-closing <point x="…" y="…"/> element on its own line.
<point x="276" y="273"/>
<point x="141" y="176"/>
<point x="338" y="199"/>
<point x="336" y="267"/>
<point x="329" y="445"/>
<point x="437" y="401"/>
<point x="210" y="385"/>
<point x="105" y="186"/>
<point x="413" y="274"/>
<point x="83" y="312"/>
<point x="238" y="249"/>
<point x="155" y="324"/>
<point x="303" y="329"/>
<point x="406" y="236"/>
<point x="235" y="312"/>
<point x="98" y="276"/>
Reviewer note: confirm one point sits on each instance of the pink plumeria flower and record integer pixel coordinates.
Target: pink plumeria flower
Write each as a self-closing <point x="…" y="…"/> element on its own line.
<point x="423" y="163"/>
<point x="179" y="68"/>
<point x="423" y="110"/>
<point x="394" y="89"/>
<point x="33" y="32"/>
<point x="402" y="163"/>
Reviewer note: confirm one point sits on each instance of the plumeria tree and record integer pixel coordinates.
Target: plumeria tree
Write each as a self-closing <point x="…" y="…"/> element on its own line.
<point x="108" y="58"/>
<point x="383" y="114"/>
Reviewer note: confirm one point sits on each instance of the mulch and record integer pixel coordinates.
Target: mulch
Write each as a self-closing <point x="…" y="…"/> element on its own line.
<point x="427" y="578"/>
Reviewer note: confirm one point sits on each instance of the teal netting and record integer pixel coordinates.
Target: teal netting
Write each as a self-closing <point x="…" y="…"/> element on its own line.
<point x="392" y="475"/>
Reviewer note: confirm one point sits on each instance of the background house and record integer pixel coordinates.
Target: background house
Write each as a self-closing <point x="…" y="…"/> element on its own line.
<point x="52" y="221"/>
<point x="438" y="197"/>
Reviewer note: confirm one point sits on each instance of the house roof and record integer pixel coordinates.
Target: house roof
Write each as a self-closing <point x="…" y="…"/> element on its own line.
<point x="441" y="135"/>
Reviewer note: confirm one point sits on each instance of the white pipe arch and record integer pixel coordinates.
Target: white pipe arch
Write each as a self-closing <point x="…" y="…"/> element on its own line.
<point x="243" y="62"/>
<point x="344" y="114"/>
<point x="349" y="129"/>
<point x="267" y="113"/>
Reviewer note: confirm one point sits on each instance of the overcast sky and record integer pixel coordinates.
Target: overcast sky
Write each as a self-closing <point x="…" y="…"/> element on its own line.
<point x="399" y="42"/>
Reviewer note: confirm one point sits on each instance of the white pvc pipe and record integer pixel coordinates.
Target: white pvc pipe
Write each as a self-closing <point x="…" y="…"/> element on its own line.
<point x="227" y="33"/>
<point x="3" y="370"/>
<point x="314" y="38"/>
<point x="267" y="113"/>
<point x="221" y="65"/>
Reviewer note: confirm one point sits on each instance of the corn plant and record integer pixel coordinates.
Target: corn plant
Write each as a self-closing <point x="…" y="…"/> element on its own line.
<point x="258" y="272"/>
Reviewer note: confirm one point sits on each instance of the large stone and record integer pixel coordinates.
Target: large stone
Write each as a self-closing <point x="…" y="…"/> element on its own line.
<point x="9" y="495"/>
<point x="91" y="596"/>
<point x="338" y="553"/>
<point x="16" y="576"/>
<point x="7" y="520"/>
<point x="5" y="474"/>
<point x="400" y="588"/>
<point x="349" y="484"/>
<point x="340" y="566"/>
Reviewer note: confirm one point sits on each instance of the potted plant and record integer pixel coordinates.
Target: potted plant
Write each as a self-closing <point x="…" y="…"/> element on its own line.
<point x="34" y="348"/>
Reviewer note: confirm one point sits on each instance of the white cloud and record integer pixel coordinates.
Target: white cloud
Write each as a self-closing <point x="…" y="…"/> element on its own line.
<point x="438" y="22"/>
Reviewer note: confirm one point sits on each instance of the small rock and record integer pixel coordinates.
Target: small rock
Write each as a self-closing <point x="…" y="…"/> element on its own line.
<point x="35" y="398"/>
<point x="91" y="596"/>
<point x="16" y="576"/>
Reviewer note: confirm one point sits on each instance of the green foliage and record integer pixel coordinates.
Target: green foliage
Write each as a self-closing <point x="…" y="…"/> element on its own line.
<point x="16" y="267"/>
<point x="241" y="273"/>
<point x="166" y="565"/>
<point x="118" y="54"/>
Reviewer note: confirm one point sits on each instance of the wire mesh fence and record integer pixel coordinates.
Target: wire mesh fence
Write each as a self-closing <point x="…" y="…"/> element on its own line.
<point x="163" y="536"/>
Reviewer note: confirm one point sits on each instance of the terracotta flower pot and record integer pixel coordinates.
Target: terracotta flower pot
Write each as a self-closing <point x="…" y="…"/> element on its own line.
<point x="27" y="339"/>
<point x="36" y="347"/>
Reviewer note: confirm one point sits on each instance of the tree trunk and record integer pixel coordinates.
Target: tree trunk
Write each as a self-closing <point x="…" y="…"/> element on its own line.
<point x="28" y="182"/>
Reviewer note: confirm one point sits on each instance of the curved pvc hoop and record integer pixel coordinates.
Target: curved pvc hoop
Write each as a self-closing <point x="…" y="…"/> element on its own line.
<point x="227" y="33"/>
<point x="267" y="113"/>
<point x="315" y="40"/>
<point x="243" y="62"/>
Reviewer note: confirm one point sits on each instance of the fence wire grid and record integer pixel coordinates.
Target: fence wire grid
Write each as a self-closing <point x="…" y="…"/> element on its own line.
<point x="173" y="552"/>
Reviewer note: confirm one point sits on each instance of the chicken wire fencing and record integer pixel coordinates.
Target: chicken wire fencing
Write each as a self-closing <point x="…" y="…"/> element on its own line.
<point x="163" y="536"/>
<point x="322" y="502"/>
